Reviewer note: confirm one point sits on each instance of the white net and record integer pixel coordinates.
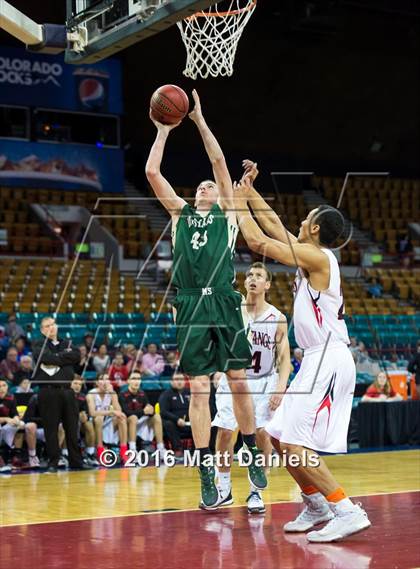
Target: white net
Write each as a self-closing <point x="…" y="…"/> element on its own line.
<point x="211" y="38"/>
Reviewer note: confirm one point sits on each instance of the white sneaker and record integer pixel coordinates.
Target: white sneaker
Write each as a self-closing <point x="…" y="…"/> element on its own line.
<point x="342" y="525"/>
<point x="255" y="503"/>
<point x="33" y="461"/>
<point x="316" y="511"/>
<point x="225" y="499"/>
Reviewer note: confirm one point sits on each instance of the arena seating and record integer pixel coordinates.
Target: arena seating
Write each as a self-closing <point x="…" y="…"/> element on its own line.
<point x="380" y="205"/>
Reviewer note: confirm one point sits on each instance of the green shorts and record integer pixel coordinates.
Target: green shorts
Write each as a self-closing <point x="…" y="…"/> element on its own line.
<point x="210" y="331"/>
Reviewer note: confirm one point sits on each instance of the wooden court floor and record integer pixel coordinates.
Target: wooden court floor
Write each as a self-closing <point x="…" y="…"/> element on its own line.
<point x="150" y="502"/>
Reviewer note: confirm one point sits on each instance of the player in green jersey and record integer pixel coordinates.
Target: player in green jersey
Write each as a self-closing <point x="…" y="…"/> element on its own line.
<point x="211" y="334"/>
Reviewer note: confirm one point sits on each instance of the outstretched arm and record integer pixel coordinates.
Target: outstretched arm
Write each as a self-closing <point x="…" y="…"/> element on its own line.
<point x="161" y="187"/>
<point x="295" y="254"/>
<point x="282" y="363"/>
<point x="267" y="218"/>
<point x="215" y="154"/>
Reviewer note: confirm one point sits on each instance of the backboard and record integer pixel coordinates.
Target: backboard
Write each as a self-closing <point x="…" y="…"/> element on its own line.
<point x="99" y="28"/>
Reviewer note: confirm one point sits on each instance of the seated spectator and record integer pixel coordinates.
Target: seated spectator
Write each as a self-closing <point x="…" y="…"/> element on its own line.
<point x="9" y="420"/>
<point x="101" y="359"/>
<point x="25" y="370"/>
<point x="109" y="421"/>
<point x="171" y="364"/>
<point x="375" y="289"/>
<point x="130" y="354"/>
<point x="393" y="361"/>
<point x="13" y="329"/>
<point x="381" y="390"/>
<point x="153" y="363"/>
<point x="24" y="386"/>
<point x="137" y="363"/>
<point x="353" y="344"/>
<point x="86" y="426"/>
<point x="414" y="367"/>
<point x="88" y="342"/>
<point x="86" y="363"/>
<point x="9" y="366"/>
<point x="141" y="418"/>
<point x="118" y="372"/>
<point x="297" y="359"/>
<point x="21" y="347"/>
<point x="174" y="405"/>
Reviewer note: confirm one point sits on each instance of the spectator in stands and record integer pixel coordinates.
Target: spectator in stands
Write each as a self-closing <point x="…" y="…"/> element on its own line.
<point x="171" y="364"/>
<point x="152" y="361"/>
<point x="109" y="421"/>
<point x="9" y="420"/>
<point x="86" y="426"/>
<point x="405" y="246"/>
<point x="21" y="347"/>
<point x="297" y="360"/>
<point x="130" y="354"/>
<point x="142" y="420"/>
<point x="88" y="342"/>
<point x="13" y="329"/>
<point x="381" y="390"/>
<point x="86" y="363"/>
<point x="414" y="367"/>
<point x="393" y="361"/>
<point x="174" y="405"/>
<point x="9" y="366"/>
<point x="375" y="289"/>
<point x="24" y="386"/>
<point x="118" y="372"/>
<point x="101" y="359"/>
<point x="4" y="342"/>
<point x="25" y="370"/>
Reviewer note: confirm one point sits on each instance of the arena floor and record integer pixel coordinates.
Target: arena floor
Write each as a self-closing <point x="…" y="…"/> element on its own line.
<point x="148" y="518"/>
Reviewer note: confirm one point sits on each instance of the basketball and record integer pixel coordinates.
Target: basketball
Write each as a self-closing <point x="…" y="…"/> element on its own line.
<point x="169" y="104"/>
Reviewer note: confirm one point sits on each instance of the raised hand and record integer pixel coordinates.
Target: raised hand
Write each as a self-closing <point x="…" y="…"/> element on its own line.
<point x="242" y="189"/>
<point x="196" y="114"/>
<point x="163" y="127"/>
<point x="250" y="170"/>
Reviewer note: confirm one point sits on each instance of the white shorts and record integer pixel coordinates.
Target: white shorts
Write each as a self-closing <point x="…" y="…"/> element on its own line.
<point x="315" y="410"/>
<point x="110" y="434"/>
<point x="261" y="390"/>
<point x="145" y="432"/>
<point x="7" y="434"/>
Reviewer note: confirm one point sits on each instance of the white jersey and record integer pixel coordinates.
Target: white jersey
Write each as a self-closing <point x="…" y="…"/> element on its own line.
<point x="262" y="335"/>
<point x="316" y="314"/>
<point x="101" y="403"/>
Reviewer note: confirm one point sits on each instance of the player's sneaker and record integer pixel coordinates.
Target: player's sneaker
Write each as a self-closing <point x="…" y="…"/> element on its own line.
<point x="4" y="468"/>
<point x="226" y="499"/>
<point x="34" y="461"/>
<point x="63" y="462"/>
<point x="256" y="474"/>
<point x="255" y="503"/>
<point x="90" y="460"/>
<point x="342" y="525"/>
<point x="316" y="511"/>
<point x="210" y="496"/>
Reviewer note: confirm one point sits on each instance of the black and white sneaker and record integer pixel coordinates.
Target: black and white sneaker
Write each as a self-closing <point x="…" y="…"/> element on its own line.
<point x="255" y="503"/>
<point x="90" y="460"/>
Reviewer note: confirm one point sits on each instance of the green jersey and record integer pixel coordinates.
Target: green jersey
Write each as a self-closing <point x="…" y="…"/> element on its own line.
<point x="203" y="246"/>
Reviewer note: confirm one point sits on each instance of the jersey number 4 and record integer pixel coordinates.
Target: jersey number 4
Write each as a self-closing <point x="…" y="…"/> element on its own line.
<point x="198" y="240"/>
<point x="256" y="362"/>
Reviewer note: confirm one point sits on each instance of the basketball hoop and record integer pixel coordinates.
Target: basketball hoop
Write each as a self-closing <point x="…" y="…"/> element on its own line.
<point x="211" y="38"/>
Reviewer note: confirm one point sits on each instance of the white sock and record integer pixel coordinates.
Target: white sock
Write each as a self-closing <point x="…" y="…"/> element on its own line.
<point x="90" y="450"/>
<point x="160" y="446"/>
<point x="32" y="452"/>
<point x="344" y="505"/>
<point x="224" y="479"/>
<point x="253" y="488"/>
<point x="132" y="445"/>
<point x="65" y="452"/>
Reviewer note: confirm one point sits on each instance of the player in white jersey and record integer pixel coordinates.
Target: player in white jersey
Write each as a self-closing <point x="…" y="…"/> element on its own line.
<point x="270" y="350"/>
<point x="315" y="411"/>
<point x="108" y="419"/>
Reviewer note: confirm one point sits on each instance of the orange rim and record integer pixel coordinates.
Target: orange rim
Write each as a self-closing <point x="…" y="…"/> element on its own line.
<point x="222" y="14"/>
